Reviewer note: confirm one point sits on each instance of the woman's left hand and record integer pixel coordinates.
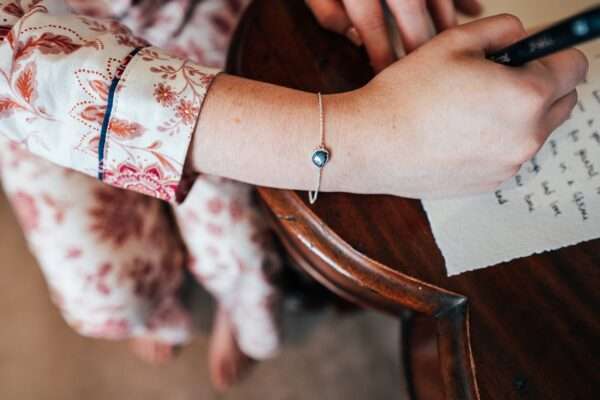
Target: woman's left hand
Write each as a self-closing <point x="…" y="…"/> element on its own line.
<point x="363" y="22"/>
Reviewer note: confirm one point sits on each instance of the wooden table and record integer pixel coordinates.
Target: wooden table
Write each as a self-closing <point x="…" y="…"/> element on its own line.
<point x="527" y="329"/>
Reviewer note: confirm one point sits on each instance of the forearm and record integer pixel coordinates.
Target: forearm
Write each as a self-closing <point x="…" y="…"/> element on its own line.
<point x="265" y="134"/>
<point x="137" y="136"/>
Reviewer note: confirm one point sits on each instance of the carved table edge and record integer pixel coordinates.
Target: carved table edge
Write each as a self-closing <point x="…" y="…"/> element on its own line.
<point x="352" y="274"/>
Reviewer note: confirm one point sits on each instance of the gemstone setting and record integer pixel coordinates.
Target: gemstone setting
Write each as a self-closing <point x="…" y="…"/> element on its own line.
<point x="320" y="157"/>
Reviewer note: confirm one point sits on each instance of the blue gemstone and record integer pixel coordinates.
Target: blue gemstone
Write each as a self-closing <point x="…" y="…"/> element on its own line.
<point x="320" y="157"/>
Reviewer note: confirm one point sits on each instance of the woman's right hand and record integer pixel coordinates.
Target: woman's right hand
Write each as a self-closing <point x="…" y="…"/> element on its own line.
<point x="446" y="121"/>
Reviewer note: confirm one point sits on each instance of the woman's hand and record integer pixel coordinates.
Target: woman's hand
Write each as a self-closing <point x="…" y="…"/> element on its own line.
<point x="442" y="121"/>
<point x="363" y="22"/>
<point x="445" y="121"/>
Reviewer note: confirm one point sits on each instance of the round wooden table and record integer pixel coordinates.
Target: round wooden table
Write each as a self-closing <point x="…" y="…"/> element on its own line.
<point x="527" y="329"/>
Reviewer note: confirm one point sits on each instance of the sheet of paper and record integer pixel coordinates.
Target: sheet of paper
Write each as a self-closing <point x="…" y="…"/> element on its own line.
<point x="553" y="202"/>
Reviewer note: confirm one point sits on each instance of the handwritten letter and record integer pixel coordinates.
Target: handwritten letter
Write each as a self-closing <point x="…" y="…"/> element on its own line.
<point x="554" y="200"/>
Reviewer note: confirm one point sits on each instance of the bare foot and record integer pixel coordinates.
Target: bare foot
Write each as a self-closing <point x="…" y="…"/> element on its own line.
<point x="152" y="351"/>
<point x="227" y="363"/>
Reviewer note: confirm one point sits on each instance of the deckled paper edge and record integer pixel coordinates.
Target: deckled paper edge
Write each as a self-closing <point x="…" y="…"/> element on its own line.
<point x="482" y="267"/>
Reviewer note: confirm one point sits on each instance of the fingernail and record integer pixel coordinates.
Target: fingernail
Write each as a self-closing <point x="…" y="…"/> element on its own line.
<point x="354" y="36"/>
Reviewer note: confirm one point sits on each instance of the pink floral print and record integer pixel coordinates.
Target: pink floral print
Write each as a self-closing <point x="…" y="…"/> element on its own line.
<point x="164" y="95"/>
<point x="89" y="55"/>
<point x="233" y="258"/>
<point x="26" y="210"/>
<point x="117" y="215"/>
<point x="114" y="258"/>
<point x="108" y="282"/>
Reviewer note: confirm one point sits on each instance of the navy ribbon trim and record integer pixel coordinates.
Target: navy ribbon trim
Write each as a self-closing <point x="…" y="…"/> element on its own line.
<point x="109" y="106"/>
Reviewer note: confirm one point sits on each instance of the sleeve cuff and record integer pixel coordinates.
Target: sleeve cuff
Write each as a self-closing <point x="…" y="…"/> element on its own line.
<point x="84" y="94"/>
<point x="150" y="122"/>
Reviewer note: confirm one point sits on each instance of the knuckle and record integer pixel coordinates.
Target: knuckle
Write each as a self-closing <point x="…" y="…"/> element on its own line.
<point x="582" y="63"/>
<point x="576" y="66"/>
<point x="533" y="95"/>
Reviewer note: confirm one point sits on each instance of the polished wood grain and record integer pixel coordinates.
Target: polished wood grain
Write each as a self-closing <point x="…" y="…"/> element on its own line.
<point x="528" y="329"/>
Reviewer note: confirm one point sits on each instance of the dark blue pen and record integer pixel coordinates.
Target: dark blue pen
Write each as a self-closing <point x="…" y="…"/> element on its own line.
<point x="568" y="33"/>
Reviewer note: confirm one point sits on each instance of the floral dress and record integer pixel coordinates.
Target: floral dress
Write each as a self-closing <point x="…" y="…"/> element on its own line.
<point x="98" y="103"/>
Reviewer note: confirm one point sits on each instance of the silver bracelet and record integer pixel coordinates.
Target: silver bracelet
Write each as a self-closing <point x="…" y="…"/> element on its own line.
<point x="320" y="155"/>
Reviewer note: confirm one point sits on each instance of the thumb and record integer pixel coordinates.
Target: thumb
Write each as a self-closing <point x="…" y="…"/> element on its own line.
<point x="493" y="33"/>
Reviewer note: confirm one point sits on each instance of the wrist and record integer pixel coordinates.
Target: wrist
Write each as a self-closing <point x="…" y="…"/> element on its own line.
<point x="362" y="153"/>
<point x="342" y="173"/>
<point x="257" y="133"/>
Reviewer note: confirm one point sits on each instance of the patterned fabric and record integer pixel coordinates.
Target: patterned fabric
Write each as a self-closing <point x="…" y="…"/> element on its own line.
<point x="75" y="93"/>
<point x="110" y="257"/>
<point x="232" y="257"/>
<point x="152" y="114"/>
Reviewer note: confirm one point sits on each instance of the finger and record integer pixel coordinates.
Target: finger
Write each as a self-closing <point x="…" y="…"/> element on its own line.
<point x="414" y="22"/>
<point x="560" y="111"/>
<point x="443" y="14"/>
<point x="566" y="70"/>
<point x="469" y="7"/>
<point x="332" y="16"/>
<point x="492" y="33"/>
<point x="367" y="17"/>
